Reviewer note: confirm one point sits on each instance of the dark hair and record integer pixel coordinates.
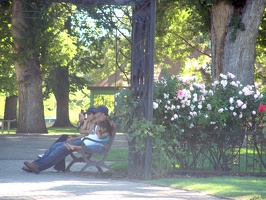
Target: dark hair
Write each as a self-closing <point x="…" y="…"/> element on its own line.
<point x="105" y="124"/>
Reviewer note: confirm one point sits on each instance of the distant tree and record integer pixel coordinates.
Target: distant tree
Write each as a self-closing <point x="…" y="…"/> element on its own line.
<point x="234" y="30"/>
<point x="67" y="67"/>
<point x="55" y="61"/>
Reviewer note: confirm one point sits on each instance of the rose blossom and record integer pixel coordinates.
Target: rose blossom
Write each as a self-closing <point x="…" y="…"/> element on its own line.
<point x="220" y="110"/>
<point x="209" y="107"/>
<point x="223" y="76"/>
<point x="224" y="83"/>
<point x="155" y="105"/>
<point x="230" y="75"/>
<point x="244" y="106"/>
<point x="180" y="94"/>
<point x="261" y="108"/>
<point x="166" y="96"/>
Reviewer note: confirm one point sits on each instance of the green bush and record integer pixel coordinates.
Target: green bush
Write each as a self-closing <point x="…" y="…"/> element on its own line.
<point x="183" y="107"/>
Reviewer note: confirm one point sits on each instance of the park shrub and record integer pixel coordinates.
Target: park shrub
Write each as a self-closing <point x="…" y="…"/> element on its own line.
<point x="183" y="108"/>
<point x="184" y="105"/>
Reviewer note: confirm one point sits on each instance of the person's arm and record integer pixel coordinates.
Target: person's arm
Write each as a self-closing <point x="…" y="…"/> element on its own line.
<point x="72" y="147"/>
<point x="102" y="135"/>
<point x="84" y="125"/>
<point x="70" y="138"/>
<point x="102" y="118"/>
<point x="87" y="128"/>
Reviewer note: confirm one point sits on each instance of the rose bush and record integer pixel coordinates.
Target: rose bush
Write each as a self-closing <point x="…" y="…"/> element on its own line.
<point x="189" y="110"/>
<point x="184" y="105"/>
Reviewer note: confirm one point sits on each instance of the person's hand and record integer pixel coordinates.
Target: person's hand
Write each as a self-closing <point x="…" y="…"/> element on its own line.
<point x="69" y="139"/>
<point x="100" y="118"/>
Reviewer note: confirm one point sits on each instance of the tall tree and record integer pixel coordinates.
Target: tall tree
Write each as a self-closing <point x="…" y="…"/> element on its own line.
<point x="55" y="61"/>
<point x="234" y="30"/>
<point x="25" y="38"/>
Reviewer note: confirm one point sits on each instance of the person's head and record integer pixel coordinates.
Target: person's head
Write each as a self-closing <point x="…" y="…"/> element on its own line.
<point x="101" y="111"/>
<point x="91" y="113"/>
<point x="105" y="126"/>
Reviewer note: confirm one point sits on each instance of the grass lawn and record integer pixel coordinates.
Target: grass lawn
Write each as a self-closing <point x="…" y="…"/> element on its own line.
<point x="244" y="187"/>
<point x="249" y="188"/>
<point x="52" y="130"/>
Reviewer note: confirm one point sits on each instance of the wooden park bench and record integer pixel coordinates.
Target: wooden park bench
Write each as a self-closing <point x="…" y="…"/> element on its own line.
<point x="91" y="158"/>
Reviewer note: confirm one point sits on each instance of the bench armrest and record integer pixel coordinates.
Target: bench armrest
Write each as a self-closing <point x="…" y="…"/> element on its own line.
<point x="93" y="140"/>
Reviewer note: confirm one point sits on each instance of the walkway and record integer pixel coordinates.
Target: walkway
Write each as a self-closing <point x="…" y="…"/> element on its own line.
<point x="17" y="184"/>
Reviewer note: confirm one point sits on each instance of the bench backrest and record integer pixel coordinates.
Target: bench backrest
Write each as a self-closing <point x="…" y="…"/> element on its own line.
<point x="107" y="146"/>
<point x="110" y="141"/>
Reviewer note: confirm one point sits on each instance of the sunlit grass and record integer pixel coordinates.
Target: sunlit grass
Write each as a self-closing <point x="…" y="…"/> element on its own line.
<point x="68" y="130"/>
<point x="119" y="157"/>
<point x="227" y="186"/>
<point x="52" y="130"/>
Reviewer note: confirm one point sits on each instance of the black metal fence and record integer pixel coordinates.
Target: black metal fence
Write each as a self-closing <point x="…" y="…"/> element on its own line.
<point x="223" y="153"/>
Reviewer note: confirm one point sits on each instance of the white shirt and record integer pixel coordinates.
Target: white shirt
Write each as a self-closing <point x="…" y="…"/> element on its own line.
<point x="93" y="136"/>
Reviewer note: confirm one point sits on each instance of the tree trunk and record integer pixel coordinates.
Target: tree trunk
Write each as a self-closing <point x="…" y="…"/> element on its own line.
<point x="11" y="110"/>
<point x="233" y="48"/>
<point x="27" y="67"/>
<point x="60" y="87"/>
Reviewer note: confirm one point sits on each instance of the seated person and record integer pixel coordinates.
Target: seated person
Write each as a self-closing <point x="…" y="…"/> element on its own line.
<point x="103" y="132"/>
<point x="86" y="128"/>
<point x="58" y="150"/>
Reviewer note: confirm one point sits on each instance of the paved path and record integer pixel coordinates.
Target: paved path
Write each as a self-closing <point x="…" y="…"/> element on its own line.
<point x="17" y="184"/>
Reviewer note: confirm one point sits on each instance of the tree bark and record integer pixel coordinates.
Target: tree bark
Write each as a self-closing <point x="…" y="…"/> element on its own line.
<point x="11" y="109"/>
<point x="27" y="67"/>
<point x="60" y="87"/>
<point x="235" y="55"/>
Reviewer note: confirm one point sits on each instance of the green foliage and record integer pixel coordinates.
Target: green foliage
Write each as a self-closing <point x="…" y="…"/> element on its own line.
<point x="140" y="130"/>
<point x="176" y="33"/>
<point x="7" y="72"/>
<point x="2" y="105"/>
<point x="264" y="123"/>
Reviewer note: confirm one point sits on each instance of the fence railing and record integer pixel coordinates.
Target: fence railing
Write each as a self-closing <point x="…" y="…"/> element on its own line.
<point x="223" y="153"/>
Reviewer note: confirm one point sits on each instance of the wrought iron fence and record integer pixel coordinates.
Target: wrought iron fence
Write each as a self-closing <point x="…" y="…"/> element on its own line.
<point x="222" y="153"/>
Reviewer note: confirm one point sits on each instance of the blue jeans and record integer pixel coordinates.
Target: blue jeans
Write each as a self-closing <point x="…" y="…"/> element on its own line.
<point x="96" y="148"/>
<point x="54" y="154"/>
